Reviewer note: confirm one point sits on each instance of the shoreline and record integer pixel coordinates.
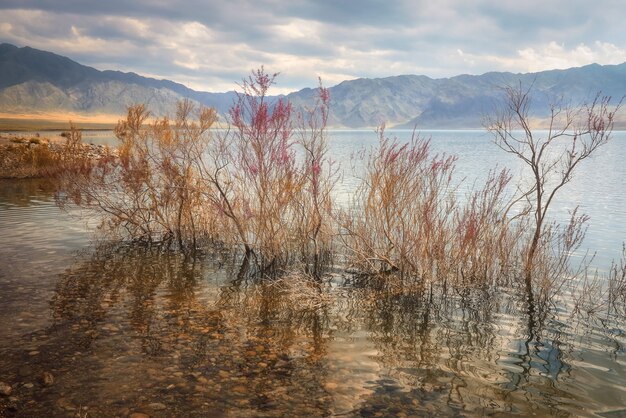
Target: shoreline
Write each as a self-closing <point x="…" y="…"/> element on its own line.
<point x="33" y="156"/>
<point x="25" y="122"/>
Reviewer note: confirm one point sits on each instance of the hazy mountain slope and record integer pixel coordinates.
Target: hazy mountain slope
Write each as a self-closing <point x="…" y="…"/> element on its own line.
<point x="368" y="102"/>
<point x="408" y="101"/>
<point x="34" y="81"/>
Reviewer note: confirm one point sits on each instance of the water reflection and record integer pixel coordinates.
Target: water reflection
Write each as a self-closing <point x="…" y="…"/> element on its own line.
<point x="167" y="334"/>
<point x="476" y="352"/>
<point x="136" y="329"/>
<point x="22" y="193"/>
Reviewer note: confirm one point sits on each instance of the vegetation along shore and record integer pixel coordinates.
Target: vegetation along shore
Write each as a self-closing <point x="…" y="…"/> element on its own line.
<point x="28" y="156"/>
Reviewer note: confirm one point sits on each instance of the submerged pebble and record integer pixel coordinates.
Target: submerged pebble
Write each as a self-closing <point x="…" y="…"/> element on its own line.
<point x="47" y="379"/>
<point x="5" y="389"/>
<point x="157" y="406"/>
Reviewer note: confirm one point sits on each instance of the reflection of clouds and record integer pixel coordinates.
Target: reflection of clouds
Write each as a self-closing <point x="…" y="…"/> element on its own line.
<point x="37" y="242"/>
<point x="353" y="367"/>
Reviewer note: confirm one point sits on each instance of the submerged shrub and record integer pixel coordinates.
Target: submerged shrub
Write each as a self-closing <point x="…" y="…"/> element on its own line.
<point x="574" y="134"/>
<point x="399" y="219"/>
<point x="265" y="185"/>
<point x="177" y="180"/>
<point x="274" y="203"/>
<point x="149" y="190"/>
<point x="406" y="219"/>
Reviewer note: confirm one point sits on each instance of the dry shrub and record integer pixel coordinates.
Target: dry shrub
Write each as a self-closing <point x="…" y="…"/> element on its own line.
<point x="37" y="157"/>
<point x="400" y="220"/>
<point x="150" y="190"/>
<point x="485" y="246"/>
<point x="617" y="285"/>
<point x="406" y="220"/>
<point x="574" y="134"/>
<point x="313" y="221"/>
<point x="273" y="203"/>
<point x="176" y="180"/>
<point x="602" y="294"/>
<point x="23" y="159"/>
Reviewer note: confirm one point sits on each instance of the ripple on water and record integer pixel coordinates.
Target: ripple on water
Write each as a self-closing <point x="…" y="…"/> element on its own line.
<point x="127" y="331"/>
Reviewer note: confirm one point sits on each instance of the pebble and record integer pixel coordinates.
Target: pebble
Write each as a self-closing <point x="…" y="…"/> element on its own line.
<point x="110" y="328"/>
<point x="139" y="415"/>
<point x="5" y="389"/>
<point x="66" y="404"/>
<point x="281" y="363"/>
<point x="47" y="379"/>
<point x="201" y="389"/>
<point x="24" y="371"/>
<point x="157" y="406"/>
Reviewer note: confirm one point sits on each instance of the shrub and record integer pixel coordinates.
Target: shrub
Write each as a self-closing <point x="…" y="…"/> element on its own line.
<point x="275" y="205"/>
<point x="149" y="191"/>
<point x="574" y="134"/>
<point x="399" y="220"/>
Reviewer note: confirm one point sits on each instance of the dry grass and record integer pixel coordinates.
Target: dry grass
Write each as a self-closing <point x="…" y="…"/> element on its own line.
<point x="33" y="156"/>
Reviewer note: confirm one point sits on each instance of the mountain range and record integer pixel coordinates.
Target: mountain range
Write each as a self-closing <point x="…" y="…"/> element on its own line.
<point x="34" y="81"/>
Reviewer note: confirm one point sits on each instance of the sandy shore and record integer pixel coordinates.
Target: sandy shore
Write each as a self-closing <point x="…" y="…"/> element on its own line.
<point x="55" y="121"/>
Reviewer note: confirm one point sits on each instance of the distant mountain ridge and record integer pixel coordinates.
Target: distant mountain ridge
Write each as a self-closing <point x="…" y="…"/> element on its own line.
<point x="410" y="101"/>
<point x="32" y="81"/>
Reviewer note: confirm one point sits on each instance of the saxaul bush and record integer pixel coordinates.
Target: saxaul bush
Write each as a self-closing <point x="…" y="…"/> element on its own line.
<point x="486" y="235"/>
<point x="406" y="220"/>
<point x="602" y="295"/>
<point x="313" y="211"/>
<point x="617" y="285"/>
<point x="264" y="164"/>
<point x="263" y="184"/>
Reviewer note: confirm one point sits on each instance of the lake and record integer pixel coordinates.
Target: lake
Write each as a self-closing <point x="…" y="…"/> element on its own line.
<point x="112" y="330"/>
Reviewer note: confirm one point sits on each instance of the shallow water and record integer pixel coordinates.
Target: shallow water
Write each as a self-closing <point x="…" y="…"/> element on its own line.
<point x="129" y="329"/>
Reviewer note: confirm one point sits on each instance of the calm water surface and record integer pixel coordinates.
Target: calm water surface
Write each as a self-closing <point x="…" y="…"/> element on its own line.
<point x="126" y="329"/>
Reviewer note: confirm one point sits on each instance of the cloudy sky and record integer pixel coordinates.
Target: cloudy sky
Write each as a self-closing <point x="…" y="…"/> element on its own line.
<point x="211" y="44"/>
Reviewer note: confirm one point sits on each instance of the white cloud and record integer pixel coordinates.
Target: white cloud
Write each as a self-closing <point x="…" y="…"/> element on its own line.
<point x="555" y="55"/>
<point x="548" y="56"/>
<point x="213" y="47"/>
